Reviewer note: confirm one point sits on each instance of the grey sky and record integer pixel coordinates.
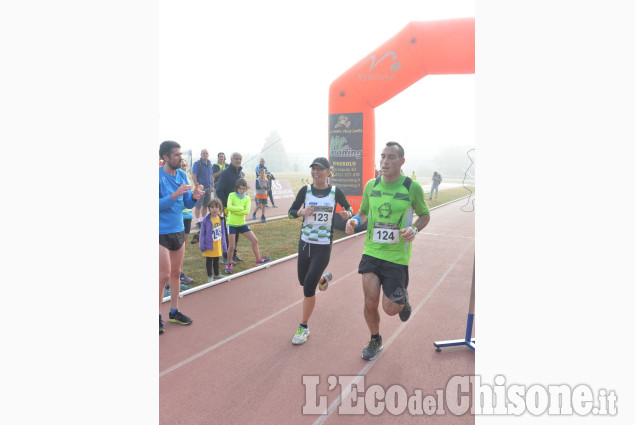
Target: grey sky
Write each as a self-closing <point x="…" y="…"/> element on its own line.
<point x="230" y="73"/>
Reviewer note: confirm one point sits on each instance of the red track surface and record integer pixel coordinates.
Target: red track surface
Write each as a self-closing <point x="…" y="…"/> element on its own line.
<point x="236" y="365"/>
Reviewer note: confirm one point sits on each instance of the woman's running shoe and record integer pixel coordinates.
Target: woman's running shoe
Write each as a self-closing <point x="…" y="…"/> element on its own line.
<point x="301" y="335"/>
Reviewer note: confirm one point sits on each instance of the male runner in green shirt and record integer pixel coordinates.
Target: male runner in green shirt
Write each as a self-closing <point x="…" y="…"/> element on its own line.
<point x="388" y="202"/>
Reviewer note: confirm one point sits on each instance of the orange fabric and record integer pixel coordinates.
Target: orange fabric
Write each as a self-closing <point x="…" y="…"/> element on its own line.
<point x="420" y="49"/>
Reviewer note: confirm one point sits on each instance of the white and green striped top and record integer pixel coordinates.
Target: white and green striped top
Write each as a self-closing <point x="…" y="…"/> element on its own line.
<point x="317" y="227"/>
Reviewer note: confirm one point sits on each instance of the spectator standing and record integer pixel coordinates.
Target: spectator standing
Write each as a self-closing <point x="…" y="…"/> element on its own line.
<point x="218" y="168"/>
<point x="225" y="185"/>
<point x="270" y="177"/>
<point x="174" y="193"/>
<point x="436" y="181"/>
<point x="262" y="185"/>
<point x="388" y="202"/>
<point x="238" y="205"/>
<point x="202" y="174"/>
<point x="213" y="239"/>
<point x="315" y="203"/>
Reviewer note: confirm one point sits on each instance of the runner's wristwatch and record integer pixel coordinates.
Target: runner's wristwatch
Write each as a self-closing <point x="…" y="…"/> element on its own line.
<point x="415" y="229"/>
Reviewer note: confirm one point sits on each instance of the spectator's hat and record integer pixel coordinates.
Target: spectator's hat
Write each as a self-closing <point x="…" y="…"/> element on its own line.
<point x="321" y="161"/>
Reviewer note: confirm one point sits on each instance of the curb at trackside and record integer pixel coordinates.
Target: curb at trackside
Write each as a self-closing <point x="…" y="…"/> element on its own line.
<point x="280" y="260"/>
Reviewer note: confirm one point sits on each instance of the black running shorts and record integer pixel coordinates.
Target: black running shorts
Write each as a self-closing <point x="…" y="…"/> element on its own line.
<point x="392" y="277"/>
<point x="172" y="241"/>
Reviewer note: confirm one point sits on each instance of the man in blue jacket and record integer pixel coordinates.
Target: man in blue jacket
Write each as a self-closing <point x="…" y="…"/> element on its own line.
<point x="174" y="193"/>
<point x="225" y="185"/>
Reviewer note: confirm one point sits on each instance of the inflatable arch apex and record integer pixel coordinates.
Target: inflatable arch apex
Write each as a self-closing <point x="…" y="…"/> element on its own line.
<point x="419" y="49"/>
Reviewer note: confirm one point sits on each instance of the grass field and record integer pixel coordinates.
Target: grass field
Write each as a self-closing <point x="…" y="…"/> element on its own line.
<point x="279" y="238"/>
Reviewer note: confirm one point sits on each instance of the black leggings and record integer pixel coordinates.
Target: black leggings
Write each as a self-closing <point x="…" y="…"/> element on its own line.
<point x="312" y="261"/>
<point x="209" y="262"/>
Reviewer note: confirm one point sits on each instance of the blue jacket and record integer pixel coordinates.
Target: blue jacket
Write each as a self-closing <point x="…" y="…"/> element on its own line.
<point x="258" y="170"/>
<point x="171" y="210"/>
<point x="203" y="172"/>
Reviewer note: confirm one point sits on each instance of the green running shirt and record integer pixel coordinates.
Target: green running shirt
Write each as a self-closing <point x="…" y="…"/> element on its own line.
<point x="389" y="207"/>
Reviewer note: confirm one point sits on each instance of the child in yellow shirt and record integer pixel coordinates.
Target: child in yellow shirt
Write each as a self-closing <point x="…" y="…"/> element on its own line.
<point x="212" y="239"/>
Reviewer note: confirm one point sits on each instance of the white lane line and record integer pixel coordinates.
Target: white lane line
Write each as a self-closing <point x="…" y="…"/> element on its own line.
<point x="243" y="331"/>
<point x="324" y="416"/>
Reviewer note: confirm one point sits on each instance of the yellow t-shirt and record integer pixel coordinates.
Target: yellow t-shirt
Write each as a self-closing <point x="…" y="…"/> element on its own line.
<point x="218" y="250"/>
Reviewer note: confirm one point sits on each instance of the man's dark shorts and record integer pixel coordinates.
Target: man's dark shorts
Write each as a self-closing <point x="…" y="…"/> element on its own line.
<point x="203" y="201"/>
<point x="393" y="277"/>
<point x="172" y="241"/>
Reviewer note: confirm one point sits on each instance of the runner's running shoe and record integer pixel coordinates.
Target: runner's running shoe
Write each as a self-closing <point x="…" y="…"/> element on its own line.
<point x="254" y="216"/>
<point x="237" y="258"/>
<point x="263" y="219"/>
<point x="301" y="334"/>
<point x="323" y="284"/>
<point x="404" y="314"/>
<point x="229" y="269"/>
<point x="178" y="317"/>
<point x="186" y="279"/>
<point x="263" y="260"/>
<point x="372" y="349"/>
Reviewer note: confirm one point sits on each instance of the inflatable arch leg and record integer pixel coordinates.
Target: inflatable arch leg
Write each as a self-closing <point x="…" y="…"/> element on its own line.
<point x="420" y="49"/>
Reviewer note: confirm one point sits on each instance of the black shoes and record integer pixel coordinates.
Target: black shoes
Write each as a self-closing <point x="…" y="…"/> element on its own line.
<point x="404" y="314"/>
<point x="372" y="349"/>
<point x="178" y="317"/>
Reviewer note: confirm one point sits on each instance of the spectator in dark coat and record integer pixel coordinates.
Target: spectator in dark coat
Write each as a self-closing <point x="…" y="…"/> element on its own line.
<point x="225" y="185"/>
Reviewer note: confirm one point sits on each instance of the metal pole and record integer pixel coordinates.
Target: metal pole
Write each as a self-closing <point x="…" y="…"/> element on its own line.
<point x="468" y="341"/>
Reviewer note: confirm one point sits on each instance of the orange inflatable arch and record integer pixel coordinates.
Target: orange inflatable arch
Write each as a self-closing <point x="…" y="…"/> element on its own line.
<point x="420" y="49"/>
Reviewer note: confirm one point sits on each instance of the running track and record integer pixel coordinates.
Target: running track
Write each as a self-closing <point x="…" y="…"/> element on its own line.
<point x="236" y="365"/>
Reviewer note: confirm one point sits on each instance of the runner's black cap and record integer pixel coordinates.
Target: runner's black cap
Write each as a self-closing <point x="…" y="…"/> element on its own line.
<point x="321" y="161"/>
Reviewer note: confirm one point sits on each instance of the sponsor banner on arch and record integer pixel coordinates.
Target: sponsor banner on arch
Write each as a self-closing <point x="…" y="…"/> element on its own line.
<point x="345" y="152"/>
